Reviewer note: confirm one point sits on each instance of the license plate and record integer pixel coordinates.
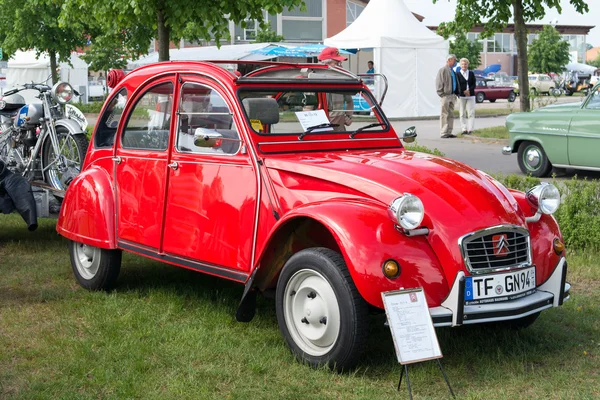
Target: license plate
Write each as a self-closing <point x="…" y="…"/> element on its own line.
<point x="499" y="287"/>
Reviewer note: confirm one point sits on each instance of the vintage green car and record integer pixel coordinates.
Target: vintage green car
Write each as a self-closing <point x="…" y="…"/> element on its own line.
<point x="562" y="136"/>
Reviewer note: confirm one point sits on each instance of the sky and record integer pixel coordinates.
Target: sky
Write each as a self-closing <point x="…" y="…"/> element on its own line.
<point x="443" y="10"/>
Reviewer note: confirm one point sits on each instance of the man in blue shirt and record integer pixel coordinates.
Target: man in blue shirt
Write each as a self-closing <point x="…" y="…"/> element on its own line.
<point x="447" y="88"/>
<point x="371" y="69"/>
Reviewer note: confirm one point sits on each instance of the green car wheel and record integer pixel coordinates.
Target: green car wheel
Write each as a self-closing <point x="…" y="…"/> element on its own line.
<point x="533" y="160"/>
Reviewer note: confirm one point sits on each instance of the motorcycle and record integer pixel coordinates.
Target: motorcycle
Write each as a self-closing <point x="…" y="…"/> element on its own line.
<point x="43" y="142"/>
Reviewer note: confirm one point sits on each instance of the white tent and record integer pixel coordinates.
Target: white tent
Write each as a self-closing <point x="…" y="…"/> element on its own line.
<point x="26" y="67"/>
<point x="404" y="50"/>
<point x="581" y="68"/>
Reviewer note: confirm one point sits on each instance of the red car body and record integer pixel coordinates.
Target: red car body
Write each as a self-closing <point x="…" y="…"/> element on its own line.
<point x="485" y="91"/>
<point x="243" y="216"/>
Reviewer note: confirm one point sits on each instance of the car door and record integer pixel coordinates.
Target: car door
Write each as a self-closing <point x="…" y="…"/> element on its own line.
<point x="212" y="185"/>
<point x="584" y="133"/>
<point x="141" y="166"/>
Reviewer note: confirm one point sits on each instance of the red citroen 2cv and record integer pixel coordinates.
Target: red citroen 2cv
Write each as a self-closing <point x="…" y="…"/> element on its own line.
<point x="275" y="184"/>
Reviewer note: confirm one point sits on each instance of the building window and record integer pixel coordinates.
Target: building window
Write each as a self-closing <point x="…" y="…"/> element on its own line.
<point x="473" y="37"/>
<point x="353" y="10"/>
<point x="500" y="43"/>
<point x="302" y="30"/>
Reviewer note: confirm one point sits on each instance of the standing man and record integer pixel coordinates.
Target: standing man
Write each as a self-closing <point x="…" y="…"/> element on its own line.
<point x="466" y="97"/>
<point x="447" y="87"/>
<point x="371" y="69"/>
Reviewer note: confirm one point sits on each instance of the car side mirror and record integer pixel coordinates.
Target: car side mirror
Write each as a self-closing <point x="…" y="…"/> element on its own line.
<point x="207" y="138"/>
<point x="410" y="134"/>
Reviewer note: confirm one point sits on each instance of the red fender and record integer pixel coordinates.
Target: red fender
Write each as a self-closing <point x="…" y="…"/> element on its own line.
<point x="367" y="238"/>
<point x="87" y="214"/>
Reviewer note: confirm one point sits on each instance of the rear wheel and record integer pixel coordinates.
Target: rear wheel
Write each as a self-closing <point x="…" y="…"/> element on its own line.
<point x="320" y="313"/>
<point x="93" y="267"/>
<point x="480" y="97"/>
<point x="533" y="159"/>
<point x="512" y="97"/>
<point x="61" y="168"/>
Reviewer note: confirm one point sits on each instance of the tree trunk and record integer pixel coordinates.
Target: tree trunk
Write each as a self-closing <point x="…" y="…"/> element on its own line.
<point x="53" y="66"/>
<point x="164" y="34"/>
<point x="521" y="39"/>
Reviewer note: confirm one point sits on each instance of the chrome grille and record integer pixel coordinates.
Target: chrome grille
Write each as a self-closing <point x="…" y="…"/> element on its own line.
<point x="497" y="248"/>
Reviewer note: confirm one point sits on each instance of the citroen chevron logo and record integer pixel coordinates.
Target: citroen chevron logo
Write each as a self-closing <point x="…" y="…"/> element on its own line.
<point x="500" y="245"/>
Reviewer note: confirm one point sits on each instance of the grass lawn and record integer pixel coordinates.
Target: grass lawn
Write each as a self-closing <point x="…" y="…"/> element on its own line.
<point x="495" y="132"/>
<point x="169" y="333"/>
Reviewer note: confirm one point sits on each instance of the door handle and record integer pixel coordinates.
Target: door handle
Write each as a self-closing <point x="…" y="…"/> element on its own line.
<point x="173" y="165"/>
<point x="117" y="160"/>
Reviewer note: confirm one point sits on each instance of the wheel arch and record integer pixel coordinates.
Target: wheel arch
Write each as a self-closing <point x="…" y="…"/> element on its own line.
<point x="87" y="214"/>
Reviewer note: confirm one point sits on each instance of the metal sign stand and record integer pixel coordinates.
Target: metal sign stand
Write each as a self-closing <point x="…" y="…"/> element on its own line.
<point x="405" y="369"/>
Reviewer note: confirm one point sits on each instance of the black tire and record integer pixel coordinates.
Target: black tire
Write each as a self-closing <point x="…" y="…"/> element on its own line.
<point x="522" y="323"/>
<point x="320" y="275"/>
<point x="568" y="92"/>
<point x="533" y="91"/>
<point x="75" y="147"/>
<point x="93" y="267"/>
<point x="512" y="97"/>
<point x="533" y="160"/>
<point x="480" y="97"/>
<point x="492" y="100"/>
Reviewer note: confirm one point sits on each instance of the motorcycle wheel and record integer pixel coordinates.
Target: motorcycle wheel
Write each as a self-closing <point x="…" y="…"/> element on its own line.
<point x="67" y="164"/>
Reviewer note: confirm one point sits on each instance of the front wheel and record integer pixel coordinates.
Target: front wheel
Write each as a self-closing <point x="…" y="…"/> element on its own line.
<point x="93" y="267"/>
<point x="320" y="313"/>
<point x="512" y="97"/>
<point x="61" y="168"/>
<point x="480" y="97"/>
<point x="533" y="160"/>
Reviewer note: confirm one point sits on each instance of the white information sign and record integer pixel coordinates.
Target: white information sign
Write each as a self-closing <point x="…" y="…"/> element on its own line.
<point x="412" y="329"/>
<point x="313" y="118"/>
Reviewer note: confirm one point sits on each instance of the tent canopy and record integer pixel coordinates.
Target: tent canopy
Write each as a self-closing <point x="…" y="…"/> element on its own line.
<point x="27" y="67"/>
<point x="407" y="52"/>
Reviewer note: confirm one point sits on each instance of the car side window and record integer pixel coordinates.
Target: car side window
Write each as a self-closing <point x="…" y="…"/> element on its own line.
<point x="147" y="126"/>
<point x="594" y="102"/>
<point x="106" y="129"/>
<point x="205" y="122"/>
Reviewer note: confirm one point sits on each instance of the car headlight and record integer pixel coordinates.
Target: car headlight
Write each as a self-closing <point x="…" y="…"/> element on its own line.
<point x="62" y="92"/>
<point x="407" y="211"/>
<point x="544" y="197"/>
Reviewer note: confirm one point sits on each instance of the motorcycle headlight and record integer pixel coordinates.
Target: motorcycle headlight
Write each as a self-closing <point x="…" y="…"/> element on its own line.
<point x="545" y="197"/>
<point x="62" y="92"/>
<point x="407" y="211"/>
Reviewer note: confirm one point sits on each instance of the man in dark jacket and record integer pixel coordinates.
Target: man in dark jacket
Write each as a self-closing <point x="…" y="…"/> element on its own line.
<point x="466" y="97"/>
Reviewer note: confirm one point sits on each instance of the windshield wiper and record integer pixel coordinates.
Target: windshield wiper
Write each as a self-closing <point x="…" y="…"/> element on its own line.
<point x="312" y="128"/>
<point x="365" y="127"/>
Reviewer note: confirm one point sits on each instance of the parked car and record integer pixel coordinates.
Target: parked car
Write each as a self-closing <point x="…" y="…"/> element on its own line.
<point x="562" y="135"/>
<point x="539" y="83"/>
<point x="264" y="190"/>
<point x="485" y="90"/>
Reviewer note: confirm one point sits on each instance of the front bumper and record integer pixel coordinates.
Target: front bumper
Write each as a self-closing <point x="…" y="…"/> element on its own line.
<point x="453" y="312"/>
<point x="507" y="150"/>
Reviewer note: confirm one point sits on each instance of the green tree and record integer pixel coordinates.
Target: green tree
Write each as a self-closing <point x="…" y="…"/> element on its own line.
<point x="549" y="52"/>
<point x="267" y="36"/>
<point x="462" y="47"/>
<point x="172" y="20"/>
<point x="34" y="24"/>
<point x="596" y="62"/>
<point x="497" y="14"/>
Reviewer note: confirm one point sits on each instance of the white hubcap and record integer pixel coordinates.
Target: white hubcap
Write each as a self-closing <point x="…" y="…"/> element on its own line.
<point x="87" y="260"/>
<point x="312" y="313"/>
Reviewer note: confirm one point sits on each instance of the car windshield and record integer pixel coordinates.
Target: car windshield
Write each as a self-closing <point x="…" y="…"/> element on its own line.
<point x="306" y="111"/>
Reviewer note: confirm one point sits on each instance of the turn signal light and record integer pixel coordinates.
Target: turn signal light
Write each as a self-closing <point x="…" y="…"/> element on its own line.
<point x="559" y="246"/>
<point x="391" y="269"/>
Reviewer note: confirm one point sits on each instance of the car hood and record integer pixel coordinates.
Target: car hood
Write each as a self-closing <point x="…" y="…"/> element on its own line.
<point x="560" y="107"/>
<point x="457" y="198"/>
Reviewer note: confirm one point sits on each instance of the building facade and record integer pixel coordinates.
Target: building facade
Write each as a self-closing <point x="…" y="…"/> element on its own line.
<point x="501" y="48"/>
